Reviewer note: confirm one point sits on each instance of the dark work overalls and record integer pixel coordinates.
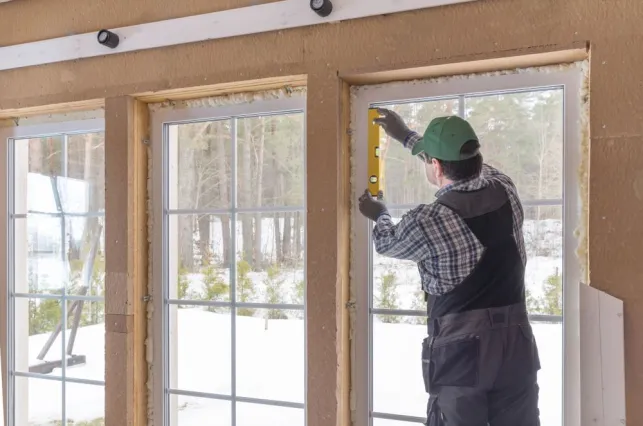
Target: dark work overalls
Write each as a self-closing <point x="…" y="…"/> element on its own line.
<point x="480" y="360"/>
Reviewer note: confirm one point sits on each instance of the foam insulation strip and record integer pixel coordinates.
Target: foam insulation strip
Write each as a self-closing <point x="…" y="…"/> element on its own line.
<point x="149" y="347"/>
<point x="582" y="231"/>
<point x="230" y="99"/>
<point x="209" y="102"/>
<point x="54" y="118"/>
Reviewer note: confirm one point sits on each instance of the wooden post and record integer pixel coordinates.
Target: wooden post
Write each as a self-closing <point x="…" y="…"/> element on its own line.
<point x="126" y="251"/>
<point x="328" y="219"/>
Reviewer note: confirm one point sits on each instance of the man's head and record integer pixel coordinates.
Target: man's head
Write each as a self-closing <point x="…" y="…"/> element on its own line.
<point x="453" y="151"/>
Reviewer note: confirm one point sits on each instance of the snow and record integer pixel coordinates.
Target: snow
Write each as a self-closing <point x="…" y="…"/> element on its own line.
<point x="270" y="365"/>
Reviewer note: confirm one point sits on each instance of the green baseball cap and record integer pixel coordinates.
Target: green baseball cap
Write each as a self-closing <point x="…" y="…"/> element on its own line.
<point x="444" y="138"/>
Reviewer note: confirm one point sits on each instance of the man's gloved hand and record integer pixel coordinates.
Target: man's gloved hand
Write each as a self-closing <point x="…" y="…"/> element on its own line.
<point x="370" y="207"/>
<point x="392" y="124"/>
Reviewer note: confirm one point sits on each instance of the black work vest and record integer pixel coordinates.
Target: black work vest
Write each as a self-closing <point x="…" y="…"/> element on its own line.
<point x="498" y="279"/>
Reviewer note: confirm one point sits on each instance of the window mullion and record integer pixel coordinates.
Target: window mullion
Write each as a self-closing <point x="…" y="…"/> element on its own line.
<point x="233" y="271"/>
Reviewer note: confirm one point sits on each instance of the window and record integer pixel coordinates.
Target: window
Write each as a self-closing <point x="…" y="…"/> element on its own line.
<point x="56" y="273"/>
<point x="528" y="125"/>
<point x="230" y="195"/>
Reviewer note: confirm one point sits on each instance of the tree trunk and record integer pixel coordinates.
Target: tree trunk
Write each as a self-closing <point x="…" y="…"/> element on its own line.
<point x="287" y="239"/>
<point x="245" y="185"/>
<point x="224" y="196"/>
<point x="298" y="236"/>
<point x="259" y="195"/>
<point x="204" y="240"/>
<point x="279" y="254"/>
<point x="225" y="238"/>
<point x="185" y="188"/>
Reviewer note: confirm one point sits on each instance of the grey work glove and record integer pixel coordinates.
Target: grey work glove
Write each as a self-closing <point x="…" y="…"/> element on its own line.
<point x="392" y="124"/>
<point x="370" y="207"/>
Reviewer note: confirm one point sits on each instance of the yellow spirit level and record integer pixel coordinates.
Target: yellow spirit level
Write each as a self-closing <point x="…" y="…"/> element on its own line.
<point x="375" y="169"/>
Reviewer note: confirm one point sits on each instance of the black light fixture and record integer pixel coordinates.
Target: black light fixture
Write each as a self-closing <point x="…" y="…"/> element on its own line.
<point x="108" y="38"/>
<point x="321" y="7"/>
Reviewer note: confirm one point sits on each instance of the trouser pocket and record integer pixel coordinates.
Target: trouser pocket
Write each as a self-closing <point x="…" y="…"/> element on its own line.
<point x="455" y="362"/>
<point x="434" y="415"/>
<point x="426" y="363"/>
<point x="531" y="358"/>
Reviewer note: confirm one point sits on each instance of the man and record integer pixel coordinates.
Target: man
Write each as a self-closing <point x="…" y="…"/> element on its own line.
<point x="480" y="359"/>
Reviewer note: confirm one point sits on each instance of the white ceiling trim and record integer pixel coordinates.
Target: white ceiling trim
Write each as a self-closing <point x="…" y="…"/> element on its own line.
<point x="275" y="16"/>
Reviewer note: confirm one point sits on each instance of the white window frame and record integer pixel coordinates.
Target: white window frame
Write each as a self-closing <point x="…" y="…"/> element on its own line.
<point x="161" y="119"/>
<point x="17" y="407"/>
<point x="570" y="78"/>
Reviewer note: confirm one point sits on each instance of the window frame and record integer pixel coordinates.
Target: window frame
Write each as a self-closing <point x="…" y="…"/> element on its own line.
<point x="160" y="119"/>
<point x="570" y="78"/>
<point x="8" y="135"/>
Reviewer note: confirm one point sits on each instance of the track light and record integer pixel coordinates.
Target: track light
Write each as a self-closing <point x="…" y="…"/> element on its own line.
<point x="321" y="7"/>
<point x="108" y="38"/>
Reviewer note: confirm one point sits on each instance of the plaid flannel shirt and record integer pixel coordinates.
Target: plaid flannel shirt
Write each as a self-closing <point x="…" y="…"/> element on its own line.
<point x="437" y="239"/>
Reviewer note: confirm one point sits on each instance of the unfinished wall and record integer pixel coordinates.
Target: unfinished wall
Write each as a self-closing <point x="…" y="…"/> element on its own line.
<point x="472" y="31"/>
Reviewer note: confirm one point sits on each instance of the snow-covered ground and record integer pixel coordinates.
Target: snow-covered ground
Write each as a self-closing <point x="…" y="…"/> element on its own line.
<point x="270" y="365"/>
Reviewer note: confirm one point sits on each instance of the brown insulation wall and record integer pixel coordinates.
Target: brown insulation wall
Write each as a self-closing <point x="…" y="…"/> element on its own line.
<point x="478" y="30"/>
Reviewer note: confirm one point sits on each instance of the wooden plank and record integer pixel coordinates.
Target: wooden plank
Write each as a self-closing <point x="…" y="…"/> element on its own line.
<point x="222" y="89"/>
<point x="343" y="257"/>
<point x="256" y="19"/>
<point x="506" y="62"/>
<point x="324" y="281"/>
<point x="126" y="249"/>
<point x="64" y="108"/>
<point x="612" y="359"/>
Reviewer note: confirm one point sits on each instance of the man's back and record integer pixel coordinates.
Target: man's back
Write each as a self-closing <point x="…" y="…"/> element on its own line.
<point x="474" y="221"/>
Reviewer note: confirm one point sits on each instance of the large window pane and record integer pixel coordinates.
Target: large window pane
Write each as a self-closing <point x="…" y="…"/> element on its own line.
<point x="543" y="232"/>
<point x="83" y="189"/>
<point x="192" y="411"/>
<point x="270" y="355"/>
<point x="396" y="283"/>
<point x="85" y="404"/>
<point x="260" y="415"/>
<point x="52" y="253"/>
<point x="388" y="422"/>
<point x="522" y="134"/>
<point x="202" y="364"/>
<point x="86" y="346"/>
<point x="549" y="338"/>
<point x="404" y="179"/>
<point x="398" y="387"/>
<point x="40" y="266"/>
<point x="38" y="166"/>
<point x="200" y="165"/>
<point x="60" y="173"/>
<point x="200" y="257"/>
<point x="270" y="268"/>
<point x="38" y="402"/>
<point x="270" y="160"/>
<point x="37" y="348"/>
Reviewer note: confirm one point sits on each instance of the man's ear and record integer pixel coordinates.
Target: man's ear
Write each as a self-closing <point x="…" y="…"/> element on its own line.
<point x="437" y="167"/>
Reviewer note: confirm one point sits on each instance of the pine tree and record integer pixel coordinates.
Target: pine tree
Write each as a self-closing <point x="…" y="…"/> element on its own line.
<point x="388" y="296"/>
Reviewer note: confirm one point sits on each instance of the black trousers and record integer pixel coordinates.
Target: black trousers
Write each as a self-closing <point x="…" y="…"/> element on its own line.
<point x="480" y="369"/>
